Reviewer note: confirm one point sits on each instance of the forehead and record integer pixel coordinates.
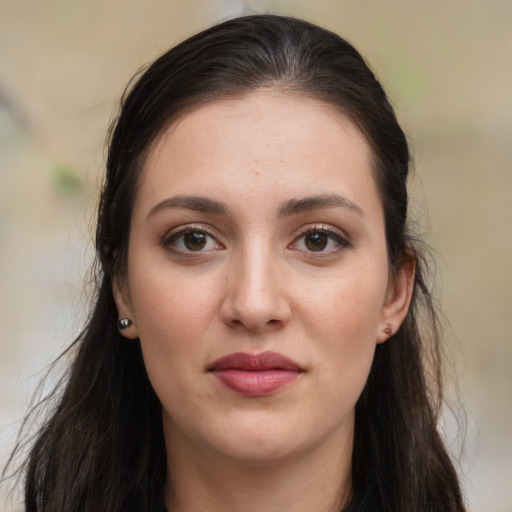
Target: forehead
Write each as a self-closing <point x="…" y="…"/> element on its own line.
<point x="271" y="109"/>
<point x="268" y="142"/>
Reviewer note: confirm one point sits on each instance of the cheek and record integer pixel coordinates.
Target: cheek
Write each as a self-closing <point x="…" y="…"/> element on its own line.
<point x="349" y="303"/>
<point x="172" y="321"/>
<point x="172" y="313"/>
<point x="342" y="318"/>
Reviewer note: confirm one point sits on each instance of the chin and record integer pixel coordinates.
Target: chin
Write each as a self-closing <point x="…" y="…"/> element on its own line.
<point x="259" y="451"/>
<point x="260" y="441"/>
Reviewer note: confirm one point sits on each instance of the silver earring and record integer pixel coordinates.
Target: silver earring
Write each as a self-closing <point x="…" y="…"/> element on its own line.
<point x="123" y="323"/>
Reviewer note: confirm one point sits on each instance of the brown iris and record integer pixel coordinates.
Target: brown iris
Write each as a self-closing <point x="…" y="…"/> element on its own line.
<point x="316" y="241"/>
<point x="195" y="240"/>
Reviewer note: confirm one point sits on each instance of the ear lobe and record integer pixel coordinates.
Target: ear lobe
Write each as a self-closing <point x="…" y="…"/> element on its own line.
<point x="122" y="299"/>
<point x="398" y="299"/>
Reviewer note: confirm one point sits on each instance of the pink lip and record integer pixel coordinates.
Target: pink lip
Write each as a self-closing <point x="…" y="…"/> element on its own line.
<point x="255" y="374"/>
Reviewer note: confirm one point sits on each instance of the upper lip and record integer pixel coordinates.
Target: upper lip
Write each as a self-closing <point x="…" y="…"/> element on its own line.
<point x="254" y="362"/>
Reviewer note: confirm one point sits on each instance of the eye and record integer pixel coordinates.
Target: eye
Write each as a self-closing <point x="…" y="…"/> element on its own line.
<point x="191" y="239"/>
<point x="321" y="240"/>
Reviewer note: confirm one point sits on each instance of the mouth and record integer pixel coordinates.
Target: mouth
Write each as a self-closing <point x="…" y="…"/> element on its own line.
<point x="255" y="374"/>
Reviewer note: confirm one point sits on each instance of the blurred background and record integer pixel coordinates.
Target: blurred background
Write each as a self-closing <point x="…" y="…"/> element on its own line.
<point x="447" y="67"/>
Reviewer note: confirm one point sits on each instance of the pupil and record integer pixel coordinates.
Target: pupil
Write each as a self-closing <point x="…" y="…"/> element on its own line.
<point x="195" y="241"/>
<point x="316" y="241"/>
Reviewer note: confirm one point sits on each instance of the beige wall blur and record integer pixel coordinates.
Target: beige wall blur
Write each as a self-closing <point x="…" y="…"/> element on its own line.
<point x="448" y="69"/>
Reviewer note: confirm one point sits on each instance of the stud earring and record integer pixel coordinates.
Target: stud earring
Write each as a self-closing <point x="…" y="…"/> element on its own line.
<point x="388" y="331"/>
<point x="123" y="323"/>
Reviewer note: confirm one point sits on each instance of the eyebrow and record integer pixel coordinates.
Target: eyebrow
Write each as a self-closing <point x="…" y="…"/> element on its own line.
<point x="194" y="203"/>
<point x="288" y="208"/>
<point x="316" y="202"/>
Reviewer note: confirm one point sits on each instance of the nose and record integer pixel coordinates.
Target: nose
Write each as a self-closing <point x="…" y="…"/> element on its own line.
<point x="255" y="297"/>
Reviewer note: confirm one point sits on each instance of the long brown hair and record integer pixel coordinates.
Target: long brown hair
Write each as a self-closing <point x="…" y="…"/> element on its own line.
<point x="102" y="448"/>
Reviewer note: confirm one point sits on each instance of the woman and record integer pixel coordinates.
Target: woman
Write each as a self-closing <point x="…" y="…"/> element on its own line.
<point x="255" y="340"/>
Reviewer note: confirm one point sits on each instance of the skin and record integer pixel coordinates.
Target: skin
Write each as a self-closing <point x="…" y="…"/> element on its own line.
<point x="311" y="283"/>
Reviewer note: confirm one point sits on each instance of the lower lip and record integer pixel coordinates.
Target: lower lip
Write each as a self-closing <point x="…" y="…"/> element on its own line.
<point x="256" y="383"/>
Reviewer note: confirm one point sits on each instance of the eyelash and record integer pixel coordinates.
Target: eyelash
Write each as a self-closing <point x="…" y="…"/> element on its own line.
<point x="333" y="235"/>
<point x="174" y="236"/>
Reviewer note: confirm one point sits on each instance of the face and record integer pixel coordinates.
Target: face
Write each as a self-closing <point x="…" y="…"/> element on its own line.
<point x="258" y="280"/>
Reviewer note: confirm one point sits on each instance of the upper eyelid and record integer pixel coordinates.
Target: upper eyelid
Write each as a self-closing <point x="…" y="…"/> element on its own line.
<point x="171" y="239"/>
<point x="300" y="232"/>
<point x="180" y="230"/>
<point x="173" y="236"/>
<point x="326" y="228"/>
<point x="335" y="233"/>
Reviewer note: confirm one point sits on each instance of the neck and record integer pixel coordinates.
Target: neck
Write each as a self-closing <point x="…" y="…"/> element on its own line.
<point x="316" y="480"/>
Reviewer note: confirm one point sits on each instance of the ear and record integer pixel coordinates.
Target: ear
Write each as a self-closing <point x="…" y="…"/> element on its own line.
<point x="398" y="299"/>
<point x="121" y="292"/>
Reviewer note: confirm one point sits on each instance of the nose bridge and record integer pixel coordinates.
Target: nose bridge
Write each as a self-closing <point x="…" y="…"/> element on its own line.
<point x="256" y="296"/>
